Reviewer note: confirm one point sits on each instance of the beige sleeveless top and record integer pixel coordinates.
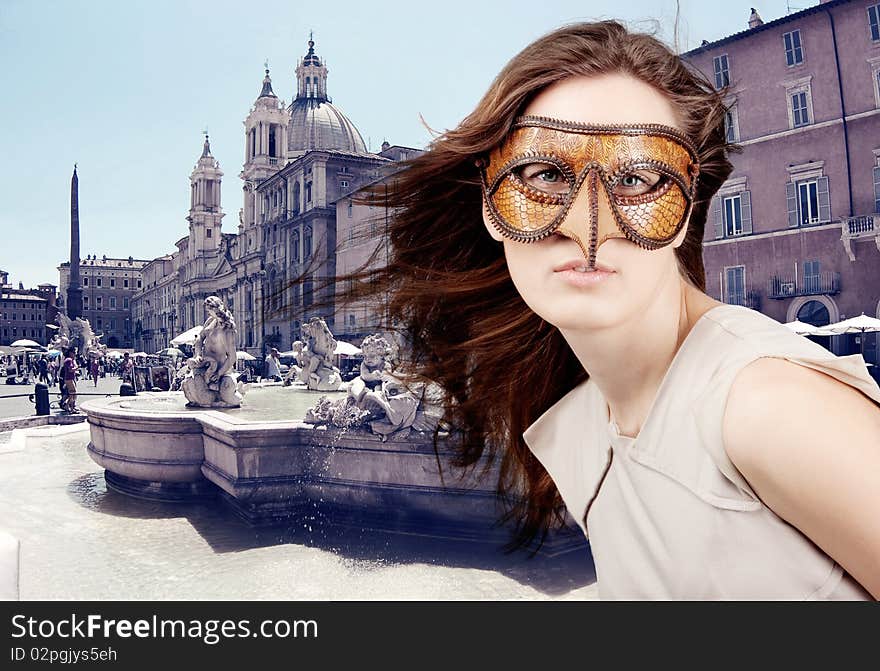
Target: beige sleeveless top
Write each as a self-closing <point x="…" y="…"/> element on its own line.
<point x="669" y="515"/>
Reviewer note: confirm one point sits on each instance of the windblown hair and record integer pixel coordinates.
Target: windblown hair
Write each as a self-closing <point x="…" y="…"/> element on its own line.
<point x="499" y="363"/>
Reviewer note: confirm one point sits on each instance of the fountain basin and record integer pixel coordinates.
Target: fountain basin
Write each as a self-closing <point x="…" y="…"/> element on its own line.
<point x="268" y="471"/>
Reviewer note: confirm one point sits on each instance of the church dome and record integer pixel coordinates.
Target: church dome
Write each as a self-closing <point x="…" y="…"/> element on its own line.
<point x="318" y="124"/>
<point x="315" y="123"/>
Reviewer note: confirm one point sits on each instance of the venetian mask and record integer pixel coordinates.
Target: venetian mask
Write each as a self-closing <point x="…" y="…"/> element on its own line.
<point x="549" y="176"/>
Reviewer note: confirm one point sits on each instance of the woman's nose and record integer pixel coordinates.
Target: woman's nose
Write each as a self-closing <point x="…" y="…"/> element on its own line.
<point x="590" y="220"/>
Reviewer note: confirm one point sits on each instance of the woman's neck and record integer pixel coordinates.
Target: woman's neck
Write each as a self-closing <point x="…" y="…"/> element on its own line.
<point x="629" y="360"/>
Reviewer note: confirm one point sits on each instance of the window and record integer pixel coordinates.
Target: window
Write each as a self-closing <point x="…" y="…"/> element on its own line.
<point x="100" y="302"/>
<point x="125" y="284"/>
<point x="307" y="293"/>
<point x="351" y="320"/>
<point x="308" y="192"/>
<point x="350" y="209"/>
<point x="735" y="285"/>
<point x="733" y="212"/>
<point x="85" y="301"/>
<point x="731" y="124"/>
<point x="877" y="189"/>
<point x="112" y="283"/>
<point x="208" y="232"/>
<point x="799" y="112"/>
<point x="294" y="246"/>
<point x="732" y="216"/>
<point x="113" y="324"/>
<point x="343" y="183"/>
<point x="808" y="202"/>
<point x="100" y="323"/>
<point x="811" y="277"/>
<point x="874" y="21"/>
<point x="125" y="303"/>
<point x="85" y="281"/>
<point x="794" y="54"/>
<point x="722" y="71"/>
<point x="307" y="242"/>
<point x="112" y="302"/>
<point x="139" y="284"/>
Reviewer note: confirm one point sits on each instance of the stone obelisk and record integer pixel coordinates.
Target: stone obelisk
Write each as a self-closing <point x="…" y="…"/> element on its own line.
<point x="74" y="290"/>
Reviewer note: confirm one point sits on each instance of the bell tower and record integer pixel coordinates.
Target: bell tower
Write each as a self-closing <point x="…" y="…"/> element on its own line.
<point x="265" y="135"/>
<point x="205" y="212"/>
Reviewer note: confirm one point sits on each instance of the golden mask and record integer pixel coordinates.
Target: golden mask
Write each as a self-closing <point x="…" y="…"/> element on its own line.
<point x="532" y="181"/>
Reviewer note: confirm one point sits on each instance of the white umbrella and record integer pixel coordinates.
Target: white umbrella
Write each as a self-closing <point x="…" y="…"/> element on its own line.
<point x="187" y="337"/>
<point x="170" y="351"/>
<point x="861" y="324"/>
<point x="140" y="354"/>
<point x="114" y="355"/>
<point x="244" y="356"/>
<point x="801" y="328"/>
<point x="25" y="343"/>
<point x="343" y="347"/>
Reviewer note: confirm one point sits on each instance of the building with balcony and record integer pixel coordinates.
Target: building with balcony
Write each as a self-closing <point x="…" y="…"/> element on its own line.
<point x="795" y="230"/>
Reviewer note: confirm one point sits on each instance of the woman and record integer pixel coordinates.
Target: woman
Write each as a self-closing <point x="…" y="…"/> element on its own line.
<point x="547" y="268"/>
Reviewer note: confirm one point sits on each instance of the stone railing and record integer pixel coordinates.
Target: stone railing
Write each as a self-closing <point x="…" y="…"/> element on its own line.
<point x="827" y="283"/>
<point x="860" y="227"/>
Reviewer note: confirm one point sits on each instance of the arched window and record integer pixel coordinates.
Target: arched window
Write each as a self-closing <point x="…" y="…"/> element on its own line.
<point x="815" y="313"/>
<point x="307" y="243"/>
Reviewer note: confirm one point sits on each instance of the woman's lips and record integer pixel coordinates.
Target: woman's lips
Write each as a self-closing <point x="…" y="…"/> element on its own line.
<point x="576" y="274"/>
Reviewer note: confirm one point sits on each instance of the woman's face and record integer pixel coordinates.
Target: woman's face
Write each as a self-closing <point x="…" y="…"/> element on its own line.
<point x="627" y="278"/>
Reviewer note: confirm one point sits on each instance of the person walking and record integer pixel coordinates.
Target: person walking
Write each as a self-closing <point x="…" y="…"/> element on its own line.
<point x="94" y="370"/>
<point x="69" y="370"/>
<point x="43" y="368"/>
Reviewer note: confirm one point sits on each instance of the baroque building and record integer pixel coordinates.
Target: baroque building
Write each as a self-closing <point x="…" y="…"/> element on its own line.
<point x="300" y="162"/>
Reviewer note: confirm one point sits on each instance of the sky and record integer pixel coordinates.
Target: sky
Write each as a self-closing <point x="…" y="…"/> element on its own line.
<point x="126" y="89"/>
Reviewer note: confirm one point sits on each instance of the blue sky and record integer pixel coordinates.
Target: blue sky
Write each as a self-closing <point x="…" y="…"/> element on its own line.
<point x="126" y="88"/>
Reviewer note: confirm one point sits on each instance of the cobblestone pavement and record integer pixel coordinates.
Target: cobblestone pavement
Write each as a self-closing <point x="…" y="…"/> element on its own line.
<point x="80" y="541"/>
<point x="22" y="407"/>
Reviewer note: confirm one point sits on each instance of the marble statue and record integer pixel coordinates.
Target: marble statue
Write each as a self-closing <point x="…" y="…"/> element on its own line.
<point x="376" y="350"/>
<point x="209" y="382"/>
<point x="318" y="371"/>
<point x="295" y="371"/>
<point x="381" y="403"/>
<point x="77" y="333"/>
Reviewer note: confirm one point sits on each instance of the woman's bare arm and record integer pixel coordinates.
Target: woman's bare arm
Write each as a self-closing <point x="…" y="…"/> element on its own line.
<point x="809" y="445"/>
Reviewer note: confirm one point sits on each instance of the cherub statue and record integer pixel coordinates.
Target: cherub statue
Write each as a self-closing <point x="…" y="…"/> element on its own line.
<point x="376" y="350"/>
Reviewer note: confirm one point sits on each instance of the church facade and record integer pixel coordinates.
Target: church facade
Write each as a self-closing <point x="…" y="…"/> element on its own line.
<point x="303" y="163"/>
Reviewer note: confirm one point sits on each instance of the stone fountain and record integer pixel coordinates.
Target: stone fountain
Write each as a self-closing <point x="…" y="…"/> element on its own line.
<point x="363" y="456"/>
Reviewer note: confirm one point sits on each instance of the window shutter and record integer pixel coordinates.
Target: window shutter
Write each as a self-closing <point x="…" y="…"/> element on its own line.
<point x="877" y="189"/>
<point x="824" y="199"/>
<point x="717" y="218"/>
<point x="746" y="206"/>
<point x="791" y="200"/>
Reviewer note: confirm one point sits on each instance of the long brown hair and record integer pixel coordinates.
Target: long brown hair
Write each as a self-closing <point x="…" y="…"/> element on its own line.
<point x="450" y="291"/>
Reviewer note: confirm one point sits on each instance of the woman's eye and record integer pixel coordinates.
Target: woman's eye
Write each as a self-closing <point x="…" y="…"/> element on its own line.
<point x="637" y="183"/>
<point x="544" y="177"/>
